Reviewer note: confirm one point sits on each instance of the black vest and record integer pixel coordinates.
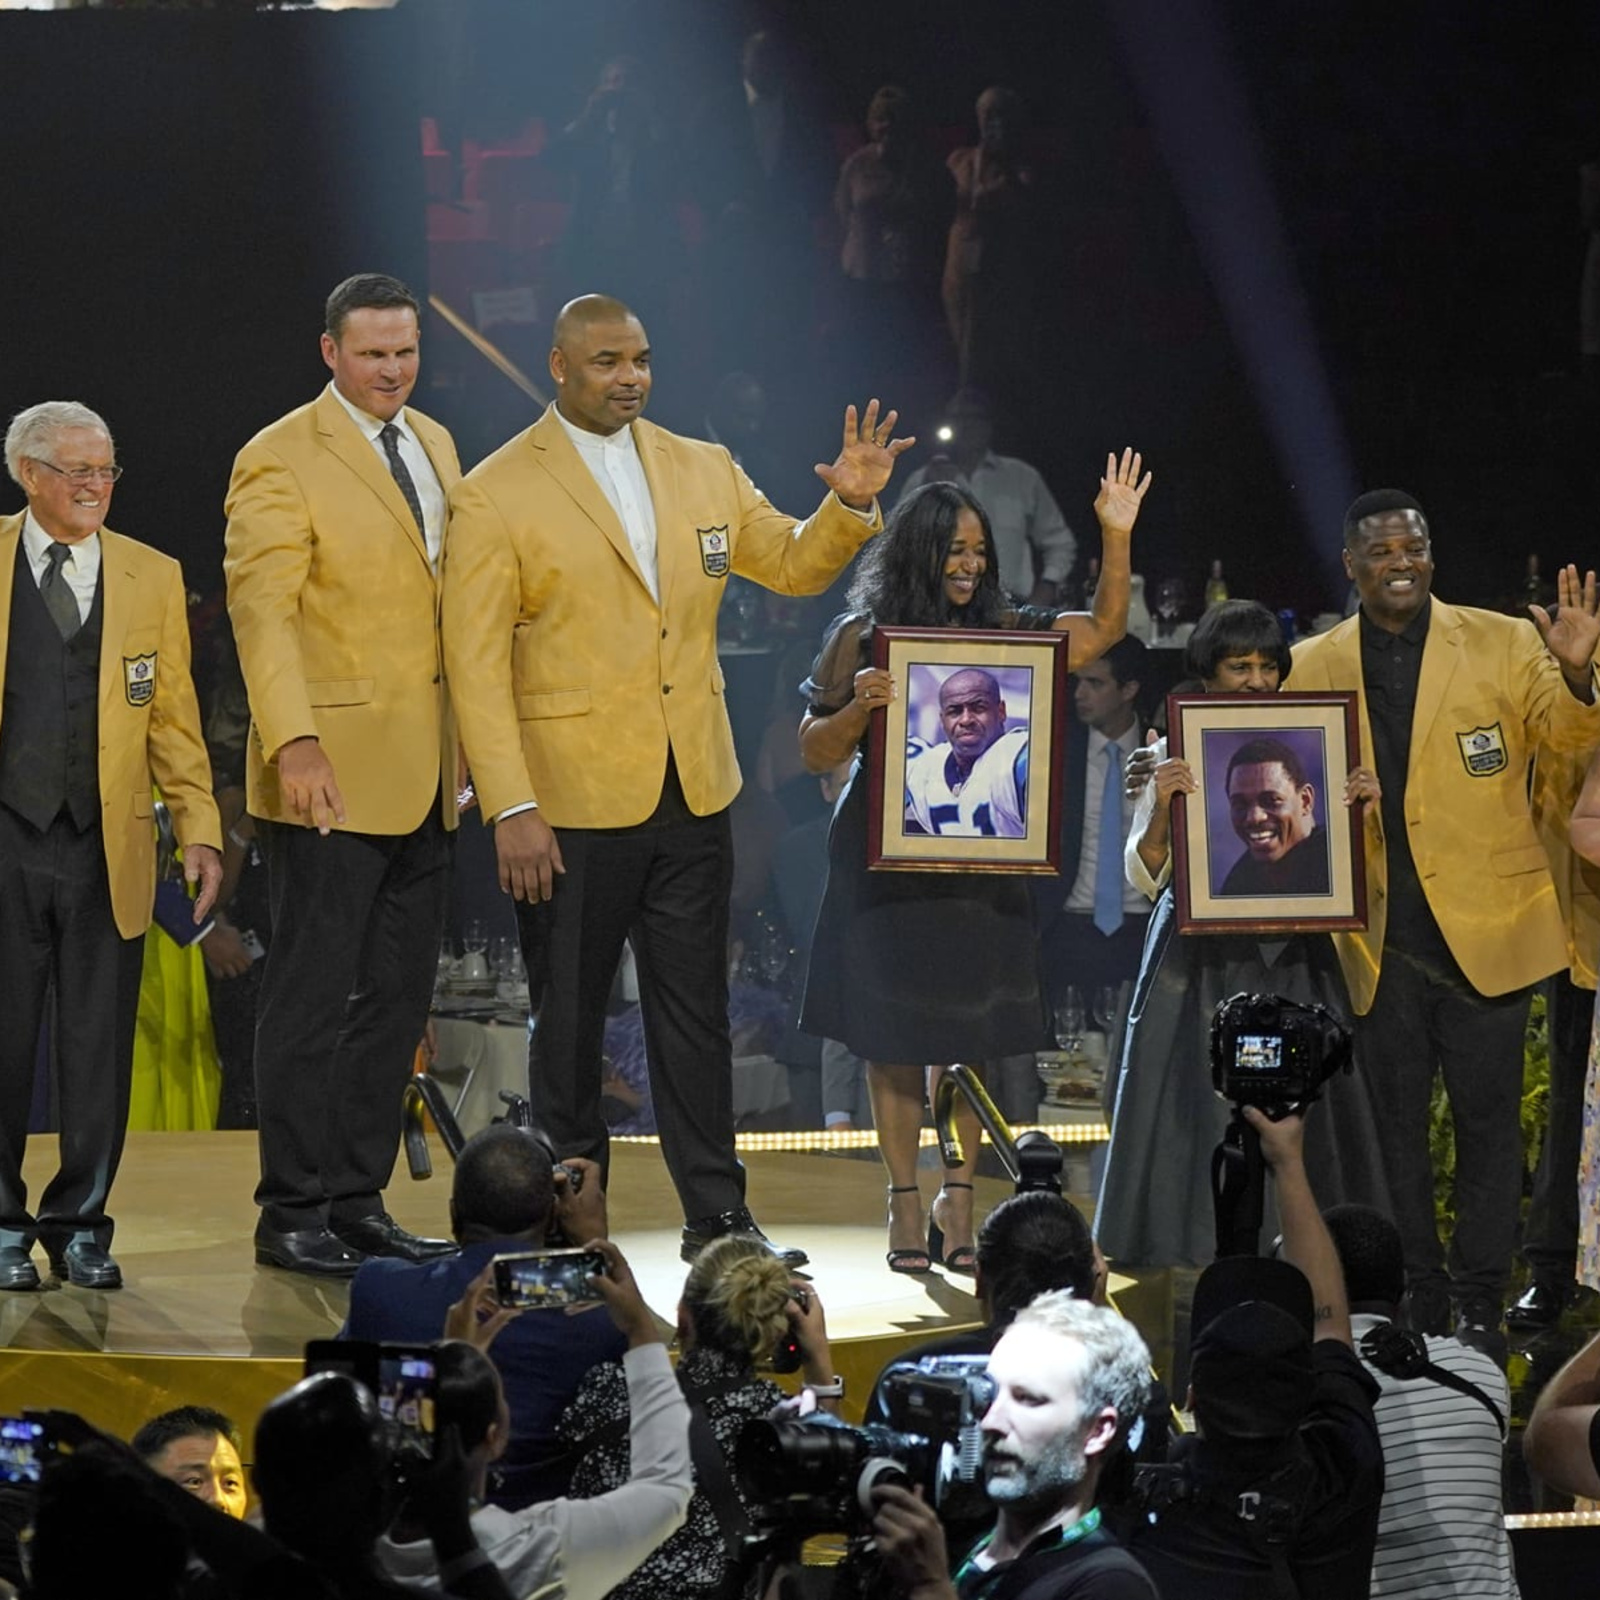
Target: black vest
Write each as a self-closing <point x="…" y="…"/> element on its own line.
<point x="50" y="723"/>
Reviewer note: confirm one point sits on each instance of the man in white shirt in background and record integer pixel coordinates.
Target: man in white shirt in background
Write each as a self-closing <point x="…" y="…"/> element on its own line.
<point x="1032" y="541"/>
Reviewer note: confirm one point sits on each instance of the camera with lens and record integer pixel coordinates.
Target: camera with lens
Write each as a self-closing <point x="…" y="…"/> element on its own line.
<point x="1275" y="1054"/>
<point x="816" y="1474"/>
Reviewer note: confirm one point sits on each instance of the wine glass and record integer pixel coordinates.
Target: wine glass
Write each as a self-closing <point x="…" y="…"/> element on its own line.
<point x="1069" y="1021"/>
<point x="1104" y="1006"/>
<point x="1169" y="606"/>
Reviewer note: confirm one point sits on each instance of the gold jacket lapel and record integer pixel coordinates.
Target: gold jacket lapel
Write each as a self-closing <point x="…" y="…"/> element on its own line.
<point x="1440" y="657"/>
<point x="662" y="476"/>
<point x="564" y="464"/>
<point x="347" y="442"/>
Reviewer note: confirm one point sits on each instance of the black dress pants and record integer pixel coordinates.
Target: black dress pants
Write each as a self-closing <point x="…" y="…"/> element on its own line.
<point x="56" y="923"/>
<point x="1550" y="1244"/>
<point x="663" y="885"/>
<point x="1427" y="1018"/>
<point x="345" y="991"/>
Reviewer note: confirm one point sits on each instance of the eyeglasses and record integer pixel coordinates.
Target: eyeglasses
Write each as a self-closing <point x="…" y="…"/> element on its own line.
<point x="82" y="475"/>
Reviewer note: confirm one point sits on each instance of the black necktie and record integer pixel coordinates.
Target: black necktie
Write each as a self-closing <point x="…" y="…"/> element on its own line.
<point x="59" y="600"/>
<point x="391" y="448"/>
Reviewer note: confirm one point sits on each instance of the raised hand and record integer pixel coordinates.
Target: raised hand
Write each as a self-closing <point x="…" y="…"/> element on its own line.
<point x="1122" y="492"/>
<point x="1572" y="631"/>
<point x="866" y="457"/>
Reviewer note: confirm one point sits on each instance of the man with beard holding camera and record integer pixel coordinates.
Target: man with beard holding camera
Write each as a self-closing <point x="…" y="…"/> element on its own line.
<point x="1069" y="1379"/>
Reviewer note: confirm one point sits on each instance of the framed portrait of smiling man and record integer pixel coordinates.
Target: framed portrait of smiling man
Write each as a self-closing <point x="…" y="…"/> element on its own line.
<point x="964" y="766"/>
<point x="1266" y="844"/>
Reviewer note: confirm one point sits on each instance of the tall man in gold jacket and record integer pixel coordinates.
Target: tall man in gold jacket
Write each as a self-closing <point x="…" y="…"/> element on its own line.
<point x="336" y="519"/>
<point x="1462" y="912"/>
<point x="587" y="561"/>
<point x="96" y="705"/>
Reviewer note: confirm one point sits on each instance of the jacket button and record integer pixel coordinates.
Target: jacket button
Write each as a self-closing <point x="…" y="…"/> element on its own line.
<point x="663" y="633"/>
<point x="666" y="688"/>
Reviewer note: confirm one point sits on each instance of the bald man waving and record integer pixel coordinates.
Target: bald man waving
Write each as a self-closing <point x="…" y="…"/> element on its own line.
<point x="585" y="565"/>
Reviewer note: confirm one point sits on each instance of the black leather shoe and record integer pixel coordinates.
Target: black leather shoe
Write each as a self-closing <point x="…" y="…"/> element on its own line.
<point x="1541" y="1305"/>
<point x="86" y="1265"/>
<point x="699" y="1233"/>
<point x="381" y="1235"/>
<point x="1478" y="1325"/>
<point x="17" y="1270"/>
<point x="312" y="1250"/>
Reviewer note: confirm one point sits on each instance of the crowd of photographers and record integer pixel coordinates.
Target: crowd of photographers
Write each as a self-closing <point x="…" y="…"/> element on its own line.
<point x="1033" y="1458"/>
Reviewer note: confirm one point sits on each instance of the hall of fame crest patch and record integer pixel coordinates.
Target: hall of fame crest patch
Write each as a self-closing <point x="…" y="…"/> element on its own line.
<point x="139" y="678"/>
<point x="1483" y="751"/>
<point x="714" y="555"/>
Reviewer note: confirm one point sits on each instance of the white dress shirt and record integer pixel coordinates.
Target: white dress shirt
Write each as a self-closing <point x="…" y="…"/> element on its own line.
<point x="1081" y="899"/>
<point x="613" y="459"/>
<point x="430" y="492"/>
<point x="81" y="569"/>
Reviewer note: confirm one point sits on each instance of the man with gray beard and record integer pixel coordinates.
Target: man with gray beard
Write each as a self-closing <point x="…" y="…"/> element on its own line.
<point x="1069" y="1380"/>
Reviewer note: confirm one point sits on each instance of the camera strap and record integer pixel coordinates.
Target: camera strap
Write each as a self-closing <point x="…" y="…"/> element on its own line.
<point x="1399" y="1353"/>
<point x="1238" y="1189"/>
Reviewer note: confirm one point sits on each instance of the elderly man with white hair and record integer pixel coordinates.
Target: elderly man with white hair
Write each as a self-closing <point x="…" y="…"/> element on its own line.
<point x="96" y="709"/>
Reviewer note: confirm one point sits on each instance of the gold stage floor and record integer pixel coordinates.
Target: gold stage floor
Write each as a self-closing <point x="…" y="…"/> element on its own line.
<point x="199" y="1322"/>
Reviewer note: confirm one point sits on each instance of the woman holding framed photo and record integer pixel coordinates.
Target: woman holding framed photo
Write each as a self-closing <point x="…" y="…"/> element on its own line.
<point x="915" y="970"/>
<point x="1155" y="1204"/>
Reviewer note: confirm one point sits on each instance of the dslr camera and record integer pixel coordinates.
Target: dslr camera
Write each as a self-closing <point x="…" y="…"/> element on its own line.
<point x="1275" y="1054"/>
<point x="816" y="1474"/>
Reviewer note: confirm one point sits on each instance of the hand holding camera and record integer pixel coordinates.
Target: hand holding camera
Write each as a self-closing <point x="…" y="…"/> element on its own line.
<point x="621" y="1294"/>
<point x="478" y="1316"/>
<point x="910" y="1539"/>
<point x="579" y="1210"/>
<point x="1282" y="1137"/>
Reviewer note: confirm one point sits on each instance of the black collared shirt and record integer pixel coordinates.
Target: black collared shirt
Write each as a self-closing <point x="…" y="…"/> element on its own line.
<point x="1391" y="666"/>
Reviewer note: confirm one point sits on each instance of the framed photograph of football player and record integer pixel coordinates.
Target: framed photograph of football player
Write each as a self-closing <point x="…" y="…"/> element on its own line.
<point x="964" y="765"/>
<point x="1266" y="843"/>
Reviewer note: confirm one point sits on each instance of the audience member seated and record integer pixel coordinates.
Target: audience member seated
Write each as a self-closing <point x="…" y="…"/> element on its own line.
<point x="1070" y="1381"/>
<point x="739" y="1302"/>
<point x="1277" y="1490"/>
<point x="1562" y="1441"/>
<point x="326" y="1481"/>
<point x="505" y="1192"/>
<point x="583" y="1547"/>
<point x="1442" y="1418"/>
<point x="1032" y="542"/>
<point x="197" y="1449"/>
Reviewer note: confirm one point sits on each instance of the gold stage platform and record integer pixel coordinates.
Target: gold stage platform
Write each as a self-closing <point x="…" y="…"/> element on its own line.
<point x="198" y="1322"/>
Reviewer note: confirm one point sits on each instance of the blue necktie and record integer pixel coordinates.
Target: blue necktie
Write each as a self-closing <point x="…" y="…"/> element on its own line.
<point x="1108" y="862"/>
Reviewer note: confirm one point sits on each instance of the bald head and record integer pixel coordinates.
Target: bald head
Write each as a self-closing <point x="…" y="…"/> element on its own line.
<point x="600" y="361"/>
<point x="972" y="712"/>
<point x="577" y="316"/>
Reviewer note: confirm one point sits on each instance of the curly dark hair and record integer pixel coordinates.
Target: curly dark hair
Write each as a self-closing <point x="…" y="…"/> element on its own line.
<point x="900" y="578"/>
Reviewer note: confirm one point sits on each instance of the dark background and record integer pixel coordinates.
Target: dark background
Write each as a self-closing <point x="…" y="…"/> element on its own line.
<point x="180" y="189"/>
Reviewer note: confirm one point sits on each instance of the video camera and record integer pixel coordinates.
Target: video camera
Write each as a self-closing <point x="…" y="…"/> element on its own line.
<point x="816" y="1474"/>
<point x="1275" y="1054"/>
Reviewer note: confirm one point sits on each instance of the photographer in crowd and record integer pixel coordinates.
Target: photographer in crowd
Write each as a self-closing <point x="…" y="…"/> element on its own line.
<point x="506" y="1193"/>
<point x="1276" y="1494"/>
<point x="1070" y="1380"/>
<point x="587" y="1546"/>
<point x="1442" y="1419"/>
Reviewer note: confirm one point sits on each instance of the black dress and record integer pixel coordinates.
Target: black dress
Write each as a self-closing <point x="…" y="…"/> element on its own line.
<point x="919" y="968"/>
